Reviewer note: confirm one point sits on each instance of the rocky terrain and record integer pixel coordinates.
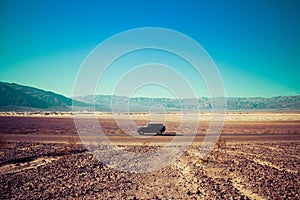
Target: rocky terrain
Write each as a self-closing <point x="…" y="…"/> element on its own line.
<point x="256" y="157"/>
<point x="231" y="171"/>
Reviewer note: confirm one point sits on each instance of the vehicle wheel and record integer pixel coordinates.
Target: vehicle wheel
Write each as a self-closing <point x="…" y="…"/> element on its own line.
<point x="141" y="132"/>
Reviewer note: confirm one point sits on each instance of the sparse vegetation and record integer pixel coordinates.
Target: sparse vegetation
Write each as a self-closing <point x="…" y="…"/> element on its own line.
<point x="72" y="141"/>
<point x="221" y="145"/>
<point x="220" y="148"/>
<point x="2" y="141"/>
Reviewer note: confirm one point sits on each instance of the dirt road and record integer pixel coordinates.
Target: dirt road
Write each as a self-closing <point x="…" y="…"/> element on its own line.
<point x="121" y="139"/>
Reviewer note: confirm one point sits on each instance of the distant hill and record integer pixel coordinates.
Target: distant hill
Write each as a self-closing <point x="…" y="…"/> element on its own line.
<point x="15" y="97"/>
<point x="103" y="102"/>
<point x="19" y="97"/>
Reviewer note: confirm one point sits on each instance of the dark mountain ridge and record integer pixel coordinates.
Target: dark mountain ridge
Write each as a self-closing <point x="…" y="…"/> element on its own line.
<point x="20" y="97"/>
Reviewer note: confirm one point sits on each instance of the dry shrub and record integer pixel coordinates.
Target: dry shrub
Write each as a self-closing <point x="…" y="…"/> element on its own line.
<point x="221" y="145"/>
<point x="220" y="149"/>
<point x="32" y="148"/>
<point x="68" y="149"/>
<point x="72" y="143"/>
<point x="2" y="142"/>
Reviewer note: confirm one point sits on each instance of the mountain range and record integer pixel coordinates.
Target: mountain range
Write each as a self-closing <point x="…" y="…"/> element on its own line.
<point x="15" y="97"/>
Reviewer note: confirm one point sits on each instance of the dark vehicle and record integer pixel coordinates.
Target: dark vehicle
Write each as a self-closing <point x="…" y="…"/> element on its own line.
<point x="151" y="128"/>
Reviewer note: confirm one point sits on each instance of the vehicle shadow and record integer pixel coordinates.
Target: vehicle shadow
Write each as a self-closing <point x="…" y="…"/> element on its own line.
<point x="163" y="134"/>
<point x="169" y="134"/>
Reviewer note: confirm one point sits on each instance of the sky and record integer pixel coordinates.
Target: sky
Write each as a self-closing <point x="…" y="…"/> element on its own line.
<point x="254" y="44"/>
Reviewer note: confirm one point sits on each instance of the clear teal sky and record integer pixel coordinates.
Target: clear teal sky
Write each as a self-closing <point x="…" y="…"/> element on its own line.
<point x="255" y="44"/>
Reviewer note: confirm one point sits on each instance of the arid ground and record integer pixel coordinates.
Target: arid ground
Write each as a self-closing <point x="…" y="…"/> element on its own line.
<point x="257" y="156"/>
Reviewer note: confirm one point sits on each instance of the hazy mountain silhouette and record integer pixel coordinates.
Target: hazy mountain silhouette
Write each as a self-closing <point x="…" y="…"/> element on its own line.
<point x="120" y="103"/>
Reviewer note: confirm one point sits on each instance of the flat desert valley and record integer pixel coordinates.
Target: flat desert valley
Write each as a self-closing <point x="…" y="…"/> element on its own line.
<point x="256" y="156"/>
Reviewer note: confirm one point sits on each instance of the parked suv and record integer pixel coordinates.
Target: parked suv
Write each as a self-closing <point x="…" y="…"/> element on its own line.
<point x="151" y="128"/>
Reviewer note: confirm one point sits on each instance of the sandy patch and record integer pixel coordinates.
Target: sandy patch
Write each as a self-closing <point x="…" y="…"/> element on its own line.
<point x="13" y="168"/>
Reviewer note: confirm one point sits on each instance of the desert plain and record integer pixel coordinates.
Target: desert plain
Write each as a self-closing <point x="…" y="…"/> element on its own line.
<point x="256" y="156"/>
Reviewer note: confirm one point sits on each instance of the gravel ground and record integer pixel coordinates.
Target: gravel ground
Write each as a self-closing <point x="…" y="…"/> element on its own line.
<point x="230" y="171"/>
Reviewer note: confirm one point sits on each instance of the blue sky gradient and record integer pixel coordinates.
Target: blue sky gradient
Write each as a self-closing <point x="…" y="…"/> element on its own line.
<point x="255" y="44"/>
